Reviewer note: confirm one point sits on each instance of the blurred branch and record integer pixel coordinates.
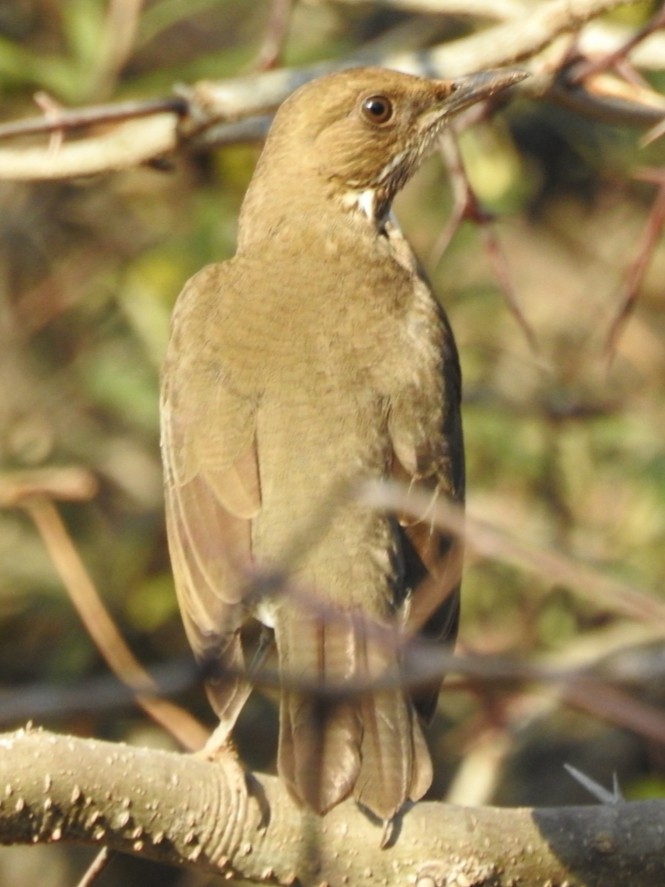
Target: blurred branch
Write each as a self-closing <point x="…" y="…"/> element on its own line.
<point x="492" y="9"/>
<point x="652" y="232"/>
<point x="126" y="145"/>
<point x="468" y="207"/>
<point x="616" y="707"/>
<point x="71" y="484"/>
<point x="119" y="35"/>
<point x="490" y="541"/>
<point x="102" y="629"/>
<point x="201" y="115"/>
<point x="589" y="67"/>
<point x="521" y="38"/>
<point x="605" y="687"/>
<point x="276" y="34"/>
<point x="105" y="693"/>
<point x="611" y="107"/>
<point x="80" y="118"/>
<point x="183" y="810"/>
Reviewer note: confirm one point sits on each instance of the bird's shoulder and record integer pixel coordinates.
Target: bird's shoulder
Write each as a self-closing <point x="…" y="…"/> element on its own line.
<point x="212" y="290"/>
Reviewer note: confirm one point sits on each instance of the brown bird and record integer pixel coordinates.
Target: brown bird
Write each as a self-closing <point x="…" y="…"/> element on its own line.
<point x="315" y="358"/>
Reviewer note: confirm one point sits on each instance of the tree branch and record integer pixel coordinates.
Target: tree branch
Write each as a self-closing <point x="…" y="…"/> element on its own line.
<point x="184" y="810"/>
<point x="235" y="110"/>
<point x="126" y="145"/>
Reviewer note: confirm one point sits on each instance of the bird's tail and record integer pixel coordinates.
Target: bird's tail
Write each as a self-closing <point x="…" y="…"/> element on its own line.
<point x="347" y="727"/>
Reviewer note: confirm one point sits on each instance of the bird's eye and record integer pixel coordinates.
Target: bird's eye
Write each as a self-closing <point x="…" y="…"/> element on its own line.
<point x="377" y="109"/>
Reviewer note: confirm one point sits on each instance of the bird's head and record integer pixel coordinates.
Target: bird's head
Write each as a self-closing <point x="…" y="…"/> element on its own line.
<point x="357" y="136"/>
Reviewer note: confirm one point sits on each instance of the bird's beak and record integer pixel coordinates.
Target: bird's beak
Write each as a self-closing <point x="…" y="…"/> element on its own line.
<point x="475" y="87"/>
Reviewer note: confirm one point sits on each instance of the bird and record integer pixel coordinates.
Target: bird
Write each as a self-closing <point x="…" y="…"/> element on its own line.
<point x="317" y="358"/>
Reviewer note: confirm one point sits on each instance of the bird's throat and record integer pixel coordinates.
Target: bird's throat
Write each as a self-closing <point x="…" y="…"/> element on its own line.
<point x="369" y="204"/>
<point x="362" y="201"/>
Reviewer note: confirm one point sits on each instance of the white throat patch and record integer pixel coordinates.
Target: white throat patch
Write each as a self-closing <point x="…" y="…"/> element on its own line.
<point x="365" y="201"/>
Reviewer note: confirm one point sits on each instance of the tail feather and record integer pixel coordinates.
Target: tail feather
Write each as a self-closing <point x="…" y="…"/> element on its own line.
<point x="395" y="760"/>
<point x="333" y="744"/>
<point x="319" y="749"/>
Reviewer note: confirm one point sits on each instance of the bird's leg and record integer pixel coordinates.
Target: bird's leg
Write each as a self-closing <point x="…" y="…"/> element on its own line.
<point x="219" y="740"/>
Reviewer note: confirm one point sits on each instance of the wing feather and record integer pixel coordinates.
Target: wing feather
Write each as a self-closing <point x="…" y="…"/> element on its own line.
<point x="432" y="559"/>
<point x="212" y="489"/>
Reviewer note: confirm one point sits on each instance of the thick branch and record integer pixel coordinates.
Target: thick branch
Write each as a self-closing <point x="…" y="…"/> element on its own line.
<point x="127" y="144"/>
<point x="183" y="810"/>
<point x="504" y="44"/>
<point x="518" y="39"/>
<point x="233" y="110"/>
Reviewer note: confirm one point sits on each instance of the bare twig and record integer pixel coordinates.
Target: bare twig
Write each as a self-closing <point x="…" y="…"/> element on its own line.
<point x="516" y="40"/>
<point x="276" y="34"/>
<point x="216" y="104"/>
<point x="489" y="541"/>
<point x="492" y="9"/>
<point x="612" y="704"/>
<point x="66" y="120"/>
<point x="608" y="103"/>
<point x="592" y="66"/>
<point x="465" y="204"/>
<point x="657" y="132"/>
<point x="603" y="687"/>
<point x="102" y="629"/>
<point x="96" y="867"/>
<point x="652" y="231"/>
<point x="126" y="145"/>
<point x="52" y="111"/>
<point x="468" y="207"/>
<point x="71" y="484"/>
<point x="597" y="791"/>
<point x="119" y="35"/>
<point x="100" y="694"/>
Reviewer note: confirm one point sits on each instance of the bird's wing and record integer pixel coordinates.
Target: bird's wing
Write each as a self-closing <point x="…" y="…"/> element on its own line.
<point x="431" y="558"/>
<point x="210" y="474"/>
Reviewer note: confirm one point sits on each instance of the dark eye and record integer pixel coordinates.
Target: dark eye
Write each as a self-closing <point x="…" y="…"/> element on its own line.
<point x="377" y="109"/>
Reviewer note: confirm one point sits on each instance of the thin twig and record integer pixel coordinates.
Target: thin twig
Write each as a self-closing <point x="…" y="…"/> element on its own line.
<point x="96" y="867"/>
<point x="102" y="693"/>
<point x="612" y="704"/>
<point x="65" y="120"/>
<point x="462" y="194"/>
<point x="69" y="484"/>
<point x="126" y="145"/>
<point x="468" y="207"/>
<point x="492" y="9"/>
<point x="489" y="541"/>
<point x="650" y="238"/>
<point x="118" y="38"/>
<point x="102" y="629"/>
<point x="277" y="31"/>
<point x="183" y="122"/>
<point x="610" y="59"/>
<point x="52" y="111"/>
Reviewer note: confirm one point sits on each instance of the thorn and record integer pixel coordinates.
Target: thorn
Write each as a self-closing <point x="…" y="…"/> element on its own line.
<point x="52" y="111"/>
<point x="595" y="789"/>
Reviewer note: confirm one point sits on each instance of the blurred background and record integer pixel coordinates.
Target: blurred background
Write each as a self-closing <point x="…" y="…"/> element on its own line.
<point x="565" y="440"/>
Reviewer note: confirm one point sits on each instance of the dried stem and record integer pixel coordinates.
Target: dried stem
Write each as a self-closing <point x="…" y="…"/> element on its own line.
<point x="102" y="629"/>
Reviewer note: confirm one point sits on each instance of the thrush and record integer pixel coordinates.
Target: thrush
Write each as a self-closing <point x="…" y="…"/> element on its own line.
<point x="316" y="358"/>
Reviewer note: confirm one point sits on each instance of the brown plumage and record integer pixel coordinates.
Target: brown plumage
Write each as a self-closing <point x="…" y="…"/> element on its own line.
<point x="316" y="357"/>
